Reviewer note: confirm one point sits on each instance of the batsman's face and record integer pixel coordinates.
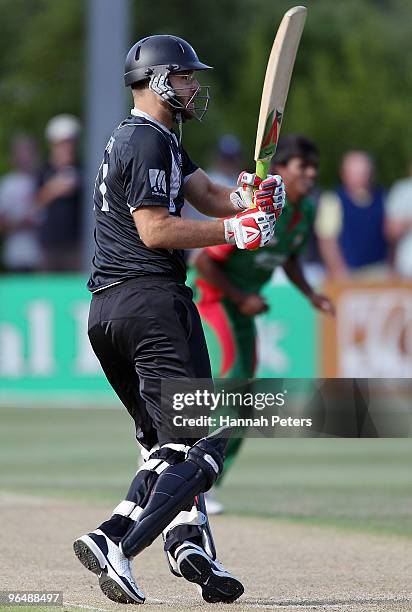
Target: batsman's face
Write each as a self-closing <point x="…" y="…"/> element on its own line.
<point x="300" y="176"/>
<point x="186" y="86"/>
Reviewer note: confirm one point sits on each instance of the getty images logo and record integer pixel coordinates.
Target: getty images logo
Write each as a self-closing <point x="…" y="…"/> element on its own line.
<point x="157" y="182"/>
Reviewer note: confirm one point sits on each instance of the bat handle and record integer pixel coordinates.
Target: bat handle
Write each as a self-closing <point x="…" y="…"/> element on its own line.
<point x="250" y="190"/>
<point x="262" y="168"/>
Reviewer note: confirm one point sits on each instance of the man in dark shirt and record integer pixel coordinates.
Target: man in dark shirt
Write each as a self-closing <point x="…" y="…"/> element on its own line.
<point x="59" y="197"/>
<point x="143" y="325"/>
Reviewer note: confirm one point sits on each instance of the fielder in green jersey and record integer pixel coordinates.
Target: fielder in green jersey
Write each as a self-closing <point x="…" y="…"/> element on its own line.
<point x="227" y="282"/>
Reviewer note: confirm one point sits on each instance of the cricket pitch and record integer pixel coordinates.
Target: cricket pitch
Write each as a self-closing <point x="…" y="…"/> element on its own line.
<point x="284" y="566"/>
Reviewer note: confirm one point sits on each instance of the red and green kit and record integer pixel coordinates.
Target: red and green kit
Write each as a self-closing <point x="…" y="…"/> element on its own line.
<point x="230" y="335"/>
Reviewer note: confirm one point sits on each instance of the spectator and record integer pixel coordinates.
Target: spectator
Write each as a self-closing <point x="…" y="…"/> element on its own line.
<point x="59" y="197"/>
<point x="228" y="161"/>
<point x="350" y="221"/>
<point x="399" y="224"/>
<point x="21" y="249"/>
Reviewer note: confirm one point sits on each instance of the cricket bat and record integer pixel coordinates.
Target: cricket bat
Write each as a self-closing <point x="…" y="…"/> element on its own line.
<point x="275" y="88"/>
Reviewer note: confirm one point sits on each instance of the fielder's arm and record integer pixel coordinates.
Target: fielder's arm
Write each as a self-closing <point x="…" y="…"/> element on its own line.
<point x="295" y="274"/>
<point x="249" y="304"/>
<point x="212" y="273"/>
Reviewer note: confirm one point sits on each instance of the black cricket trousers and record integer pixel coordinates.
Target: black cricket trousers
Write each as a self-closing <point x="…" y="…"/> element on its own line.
<point x="144" y="330"/>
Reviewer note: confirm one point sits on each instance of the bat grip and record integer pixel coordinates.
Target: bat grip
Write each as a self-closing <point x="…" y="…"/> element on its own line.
<point x="262" y="168"/>
<point x="250" y="190"/>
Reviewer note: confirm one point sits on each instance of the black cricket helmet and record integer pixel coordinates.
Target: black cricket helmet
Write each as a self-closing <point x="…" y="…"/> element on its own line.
<point x="157" y="54"/>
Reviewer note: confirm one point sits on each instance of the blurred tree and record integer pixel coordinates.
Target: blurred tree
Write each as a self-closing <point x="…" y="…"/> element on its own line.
<point x="41" y="65"/>
<point x="352" y="85"/>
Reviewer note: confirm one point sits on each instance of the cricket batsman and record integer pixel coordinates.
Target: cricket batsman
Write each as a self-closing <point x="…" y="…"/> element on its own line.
<point x="143" y="325"/>
<point x="228" y="282"/>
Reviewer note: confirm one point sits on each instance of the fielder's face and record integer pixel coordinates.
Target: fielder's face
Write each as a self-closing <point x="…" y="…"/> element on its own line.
<point x="299" y="175"/>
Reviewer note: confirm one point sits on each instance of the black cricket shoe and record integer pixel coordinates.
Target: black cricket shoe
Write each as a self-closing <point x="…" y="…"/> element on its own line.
<point x="213" y="581"/>
<point x="105" y="559"/>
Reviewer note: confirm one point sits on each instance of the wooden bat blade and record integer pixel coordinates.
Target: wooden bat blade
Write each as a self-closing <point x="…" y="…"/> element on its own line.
<point x="276" y="85"/>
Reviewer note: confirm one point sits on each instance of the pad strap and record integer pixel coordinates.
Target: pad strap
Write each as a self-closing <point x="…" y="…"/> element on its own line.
<point x="125" y="508"/>
<point x="194" y="517"/>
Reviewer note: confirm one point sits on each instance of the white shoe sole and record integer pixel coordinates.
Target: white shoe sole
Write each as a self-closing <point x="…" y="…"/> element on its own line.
<point x="215" y="585"/>
<point x="93" y="559"/>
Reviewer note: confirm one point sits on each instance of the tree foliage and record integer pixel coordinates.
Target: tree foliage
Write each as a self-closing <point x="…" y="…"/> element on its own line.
<point x="42" y="63"/>
<point x="352" y="85"/>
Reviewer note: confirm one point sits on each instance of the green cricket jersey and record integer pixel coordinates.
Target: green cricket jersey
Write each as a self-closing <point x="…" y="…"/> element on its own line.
<point x="230" y="335"/>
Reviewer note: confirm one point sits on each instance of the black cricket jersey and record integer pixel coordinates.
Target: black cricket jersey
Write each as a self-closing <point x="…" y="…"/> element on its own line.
<point x="143" y="165"/>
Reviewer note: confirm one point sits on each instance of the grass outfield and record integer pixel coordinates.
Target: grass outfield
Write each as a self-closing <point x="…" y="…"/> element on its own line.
<point x="90" y="454"/>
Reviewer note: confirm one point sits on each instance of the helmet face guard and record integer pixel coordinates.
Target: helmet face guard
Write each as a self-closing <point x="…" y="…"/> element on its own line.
<point x="200" y="100"/>
<point x="196" y="106"/>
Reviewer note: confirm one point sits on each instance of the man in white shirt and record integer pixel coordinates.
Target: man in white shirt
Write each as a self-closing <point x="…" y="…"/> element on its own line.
<point x="21" y="249"/>
<point x="398" y="225"/>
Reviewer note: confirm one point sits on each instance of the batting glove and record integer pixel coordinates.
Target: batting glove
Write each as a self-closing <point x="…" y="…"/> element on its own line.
<point x="268" y="195"/>
<point x="242" y="198"/>
<point x="250" y="229"/>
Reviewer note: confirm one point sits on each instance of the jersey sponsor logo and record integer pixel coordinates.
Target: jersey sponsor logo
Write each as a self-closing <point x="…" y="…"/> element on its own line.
<point x="157" y="181"/>
<point x="268" y="261"/>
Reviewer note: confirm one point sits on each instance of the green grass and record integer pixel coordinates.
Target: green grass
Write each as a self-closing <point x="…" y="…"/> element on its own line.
<point x="90" y="454"/>
<point x="360" y="484"/>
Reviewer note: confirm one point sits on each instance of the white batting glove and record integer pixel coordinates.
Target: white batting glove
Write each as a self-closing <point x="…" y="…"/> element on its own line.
<point x="268" y="195"/>
<point x="249" y="229"/>
<point x="242" y="198"/>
